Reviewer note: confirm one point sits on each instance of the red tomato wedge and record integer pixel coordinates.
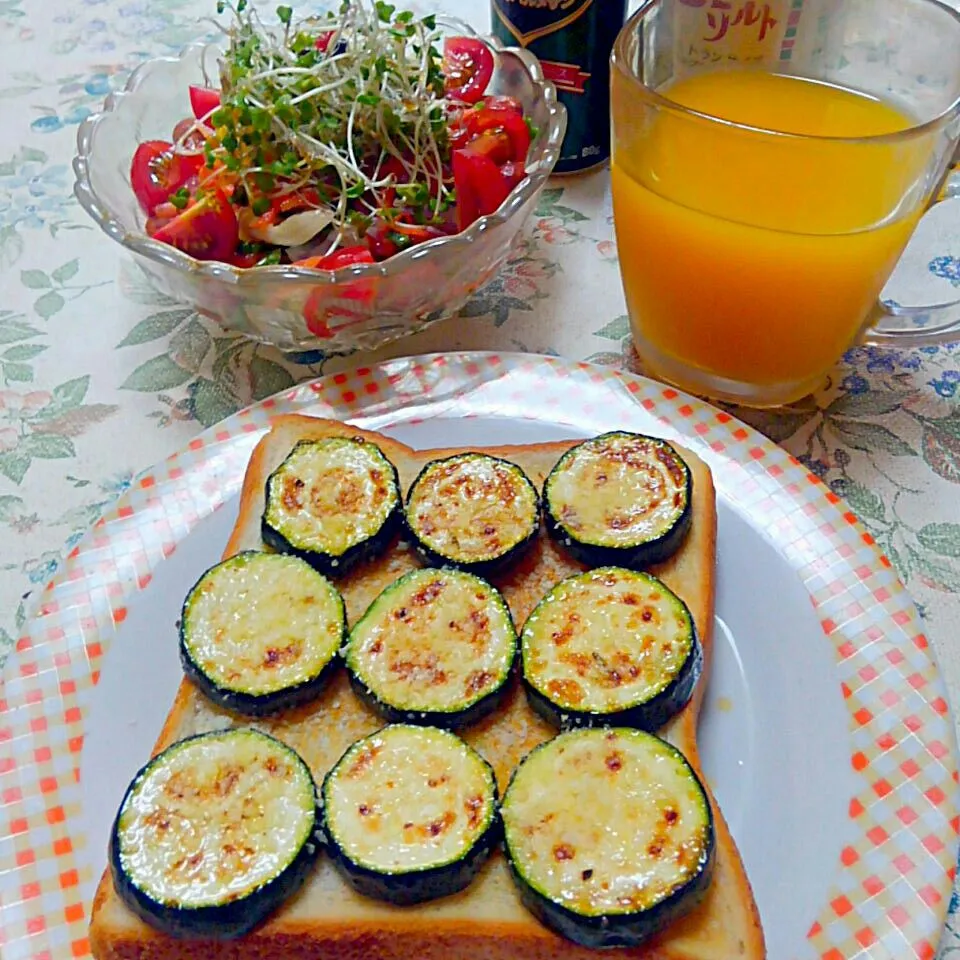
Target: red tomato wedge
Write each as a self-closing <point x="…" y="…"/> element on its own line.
<point x="320" y="306"/>
<point x="156" y="172"/>
<point x="490" y="120"/>
<point x="191" y="135"/>
<point x="467" y="68"/>
<point x="480" y="184"/>
<point x="344" y="257"/>
<point x="203" y="101"/>
<point x="207" y="229"/>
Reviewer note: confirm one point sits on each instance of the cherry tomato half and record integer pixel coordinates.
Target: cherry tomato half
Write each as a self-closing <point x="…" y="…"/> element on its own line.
<point x="467" y="68"/>
<point x="321" y="304"/>
<point x="191" y="135"/>
<point x="481" y="184"/>
<point x="499" y="120"/>
<point x="207" y="229"/>
<point x="156" y="172"/>
<point x="203" y="101"/>
<point x="344" y="257"/>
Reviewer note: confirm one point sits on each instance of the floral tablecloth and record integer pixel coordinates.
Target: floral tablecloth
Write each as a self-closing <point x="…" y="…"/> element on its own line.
<point x="100" y="376"/>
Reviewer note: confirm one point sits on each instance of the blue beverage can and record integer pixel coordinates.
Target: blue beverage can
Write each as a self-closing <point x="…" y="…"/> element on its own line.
<point x="572" y="39"/>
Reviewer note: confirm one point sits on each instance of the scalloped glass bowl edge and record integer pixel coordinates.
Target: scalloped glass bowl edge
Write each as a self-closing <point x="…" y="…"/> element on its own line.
<point x="361" y="308"/>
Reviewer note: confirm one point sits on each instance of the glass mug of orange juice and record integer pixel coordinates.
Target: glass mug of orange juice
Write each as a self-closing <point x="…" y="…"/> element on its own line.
<point x="770" y="162"/>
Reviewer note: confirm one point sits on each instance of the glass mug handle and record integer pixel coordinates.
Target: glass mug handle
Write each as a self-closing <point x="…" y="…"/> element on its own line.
<point x="894" y="325"/>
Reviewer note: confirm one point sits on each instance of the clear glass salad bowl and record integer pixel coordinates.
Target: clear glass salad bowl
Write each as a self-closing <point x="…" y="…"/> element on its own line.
<point x="402" y="295"/>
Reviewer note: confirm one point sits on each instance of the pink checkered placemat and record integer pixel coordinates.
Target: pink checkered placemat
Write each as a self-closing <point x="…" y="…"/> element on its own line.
<point x="889" y="895"/>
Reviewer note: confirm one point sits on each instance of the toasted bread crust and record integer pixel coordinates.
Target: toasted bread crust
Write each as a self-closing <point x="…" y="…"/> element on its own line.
<point x="326" y="920"/>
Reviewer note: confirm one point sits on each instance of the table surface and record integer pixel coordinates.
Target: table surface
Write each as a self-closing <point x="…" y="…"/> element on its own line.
<point x="133" y="376"/>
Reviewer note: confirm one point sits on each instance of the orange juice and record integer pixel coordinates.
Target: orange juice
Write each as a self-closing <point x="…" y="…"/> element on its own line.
<point x="753" y="257"/>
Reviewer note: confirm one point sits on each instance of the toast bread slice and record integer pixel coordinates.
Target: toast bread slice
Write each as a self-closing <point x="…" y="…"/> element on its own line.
<point x="326" y="920"/>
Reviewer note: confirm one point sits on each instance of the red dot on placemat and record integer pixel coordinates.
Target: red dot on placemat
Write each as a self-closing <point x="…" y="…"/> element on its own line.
<point x="882" y="788"/>
<point x="832" y="954"/>
<point x="877" y="835"/>
<point x="930" y="895"/>
<point x="866" y="937"/>
<point x="909" y="768"/>
<point x="903" y="863"/>
<point x="863" y="716"/>
<point x="873" y="886"/>
<point x="80" y="948"/>
<point x="933" y="844"/>
<point x="36" y="925"/>
<point x="898" y="915"/>
<point x="935" y="795"/>
<point x="62" y="846"/>
<point x="29" y="891"/>
<point x="886" y="742"/>
<point x="815" y="930"/>
<point x="348" y="396"/>
<point x="907" y="815"/>
<point x="937" y="749"/>
<point x="69" y="878"/>
<point x="856" y="808"/>
<point x="73" y="912"/>
<point x="841" y="906"/>
<point x="25" y="858"/>
<point x="923" y="950"/>
<point x="55" y="815"/>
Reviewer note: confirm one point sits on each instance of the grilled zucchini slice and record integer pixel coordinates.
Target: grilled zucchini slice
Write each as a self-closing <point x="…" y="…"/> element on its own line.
<point x="609" y="835"/>
<point x="214" y="833"/>
<point x="333" y="502"/>
<point x="436" y="647"/>
<point x="260" y="632"/>
<point x="472" y="511"/>
<point x="410" y="814"/>
<point x="610" y="647"/>
<point x="620" y="499"/>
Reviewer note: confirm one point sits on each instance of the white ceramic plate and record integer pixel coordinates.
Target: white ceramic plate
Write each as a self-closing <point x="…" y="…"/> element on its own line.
<point x="825" y="734"/>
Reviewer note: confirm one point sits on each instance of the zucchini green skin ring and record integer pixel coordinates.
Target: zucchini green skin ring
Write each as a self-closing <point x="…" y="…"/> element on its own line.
<point x="648" y="714"/>
<point x="225" y="921"/>
<point x="613" y="929"/>
<point x="465" y="710"/>
<point x="265" y="703"/>
<point x="335" y="565"/>
<point x="487" y="566"/>
<point x="455" y="719"/>
<point x="408" y="887"/>
<point x="252" y="704"/>
<point x="637" y="556"/>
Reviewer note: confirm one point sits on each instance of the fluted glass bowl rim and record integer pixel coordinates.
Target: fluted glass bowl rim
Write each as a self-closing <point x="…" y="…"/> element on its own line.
<point x="539" y="167"/>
